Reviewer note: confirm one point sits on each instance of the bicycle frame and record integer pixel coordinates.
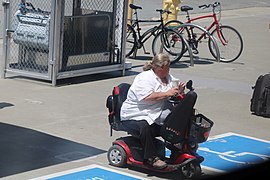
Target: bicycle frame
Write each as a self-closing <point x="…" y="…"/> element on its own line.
<point x="147" y="34"/>
<point x="227" y="38"/>
<point x="164" y="39"/>
<point x="142" y="38"/>
<point x="214" y="23"/>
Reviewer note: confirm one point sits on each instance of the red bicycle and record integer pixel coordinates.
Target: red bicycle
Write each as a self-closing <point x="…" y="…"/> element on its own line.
<point x="228" y="39"/>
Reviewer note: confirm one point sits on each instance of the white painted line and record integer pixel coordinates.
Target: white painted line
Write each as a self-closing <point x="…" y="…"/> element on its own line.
<point x="213" y="169"/>
<point x="231" y="133"/>
<point x="86" y="168"/>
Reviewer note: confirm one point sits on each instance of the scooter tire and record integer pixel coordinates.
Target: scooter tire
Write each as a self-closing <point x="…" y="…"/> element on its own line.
<point x="117" y="156"/>
<point x="191" y="170"/>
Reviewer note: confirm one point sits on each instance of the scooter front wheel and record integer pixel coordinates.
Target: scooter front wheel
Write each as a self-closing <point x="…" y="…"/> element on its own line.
<point x="117" y="156"/>
<point x="191" y="170"/>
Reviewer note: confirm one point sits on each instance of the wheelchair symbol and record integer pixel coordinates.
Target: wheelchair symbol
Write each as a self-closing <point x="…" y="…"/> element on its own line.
<point x="240" y="158"/>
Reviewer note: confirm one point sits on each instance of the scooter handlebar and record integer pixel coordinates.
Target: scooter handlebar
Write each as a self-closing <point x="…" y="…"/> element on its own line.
<point x="180" y="97"/>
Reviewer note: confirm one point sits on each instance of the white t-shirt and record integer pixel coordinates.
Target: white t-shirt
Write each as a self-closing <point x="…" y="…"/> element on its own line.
<point x="135" y="107"/>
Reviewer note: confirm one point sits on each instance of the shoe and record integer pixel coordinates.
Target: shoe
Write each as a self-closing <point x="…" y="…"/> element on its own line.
<point x="200" y="158"/>
<point x="157" y="163"/>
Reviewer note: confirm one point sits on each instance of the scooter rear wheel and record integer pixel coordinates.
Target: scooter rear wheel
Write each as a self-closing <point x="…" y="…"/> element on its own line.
<point x="191" y="170"/>
<point x="117" y="156"/>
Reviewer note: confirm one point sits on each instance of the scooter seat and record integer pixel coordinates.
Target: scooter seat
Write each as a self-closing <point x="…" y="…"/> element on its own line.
<point x="114" y="103"/>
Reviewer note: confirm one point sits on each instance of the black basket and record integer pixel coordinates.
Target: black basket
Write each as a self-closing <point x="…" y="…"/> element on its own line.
<point x="200" y="128"/>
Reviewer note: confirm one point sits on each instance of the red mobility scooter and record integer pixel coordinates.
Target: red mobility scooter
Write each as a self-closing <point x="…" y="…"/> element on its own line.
<point x="181" y="140"/>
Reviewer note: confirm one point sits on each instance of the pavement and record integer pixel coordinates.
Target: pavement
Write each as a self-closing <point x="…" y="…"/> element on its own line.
<point x="46" y="130"/>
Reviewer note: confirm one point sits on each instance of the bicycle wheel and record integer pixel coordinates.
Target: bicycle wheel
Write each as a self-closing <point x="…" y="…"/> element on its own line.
<point x="189" y="33"/>
<point x="173" y="24"/>
<point x="176" y="25"/>
<point x="131" y="40"/>
<point x="233" y="44"/>
<point x="171" y="42"/>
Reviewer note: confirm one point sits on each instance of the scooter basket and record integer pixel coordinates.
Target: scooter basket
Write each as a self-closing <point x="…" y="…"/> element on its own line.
<point x="200" y="128"/>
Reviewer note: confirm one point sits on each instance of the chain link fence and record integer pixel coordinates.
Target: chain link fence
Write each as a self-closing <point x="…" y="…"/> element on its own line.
<point x="90" y="36"/>
<point x="29" y="43"/>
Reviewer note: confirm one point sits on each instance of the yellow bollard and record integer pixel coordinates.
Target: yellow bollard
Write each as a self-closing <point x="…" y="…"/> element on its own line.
<point x="172" y="6"/>
<point x="130" y="12"/>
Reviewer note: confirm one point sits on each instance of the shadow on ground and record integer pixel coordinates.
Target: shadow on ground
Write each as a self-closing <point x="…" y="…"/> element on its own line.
<point x="5" y="104"/>
<point x="139" y="57"/>
<point x="94" y="77"/>
<point x="24" y="149"/>
<point x="81" y="79"/>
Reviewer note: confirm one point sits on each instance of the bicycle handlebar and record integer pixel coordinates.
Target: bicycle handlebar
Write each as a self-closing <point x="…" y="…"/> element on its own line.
<point x="215" y="4"/>
<point x="163" y="11"/>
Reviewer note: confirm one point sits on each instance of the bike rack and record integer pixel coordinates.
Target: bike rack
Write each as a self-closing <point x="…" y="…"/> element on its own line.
<point x="190" y="52"/>
<point x="185" y="25"/>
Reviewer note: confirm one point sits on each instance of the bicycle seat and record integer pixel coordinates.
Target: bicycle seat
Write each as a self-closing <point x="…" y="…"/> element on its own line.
<point x="186" y="8"/>
<point x="132" y="6"/>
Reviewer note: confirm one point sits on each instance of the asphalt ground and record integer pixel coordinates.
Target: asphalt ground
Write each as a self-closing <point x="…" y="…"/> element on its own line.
<point x="45" y="129"/>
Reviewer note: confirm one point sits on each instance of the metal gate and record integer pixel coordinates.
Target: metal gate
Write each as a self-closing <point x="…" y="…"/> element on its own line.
<point x="65" y="38"/>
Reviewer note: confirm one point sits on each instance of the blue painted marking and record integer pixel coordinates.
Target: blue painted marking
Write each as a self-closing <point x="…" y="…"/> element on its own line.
<point x="94" y="174"/>
<point x="232" y="151"/>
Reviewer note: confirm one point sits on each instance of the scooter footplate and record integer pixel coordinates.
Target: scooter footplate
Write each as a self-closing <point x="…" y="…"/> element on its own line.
<point x="173" y="167"/>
